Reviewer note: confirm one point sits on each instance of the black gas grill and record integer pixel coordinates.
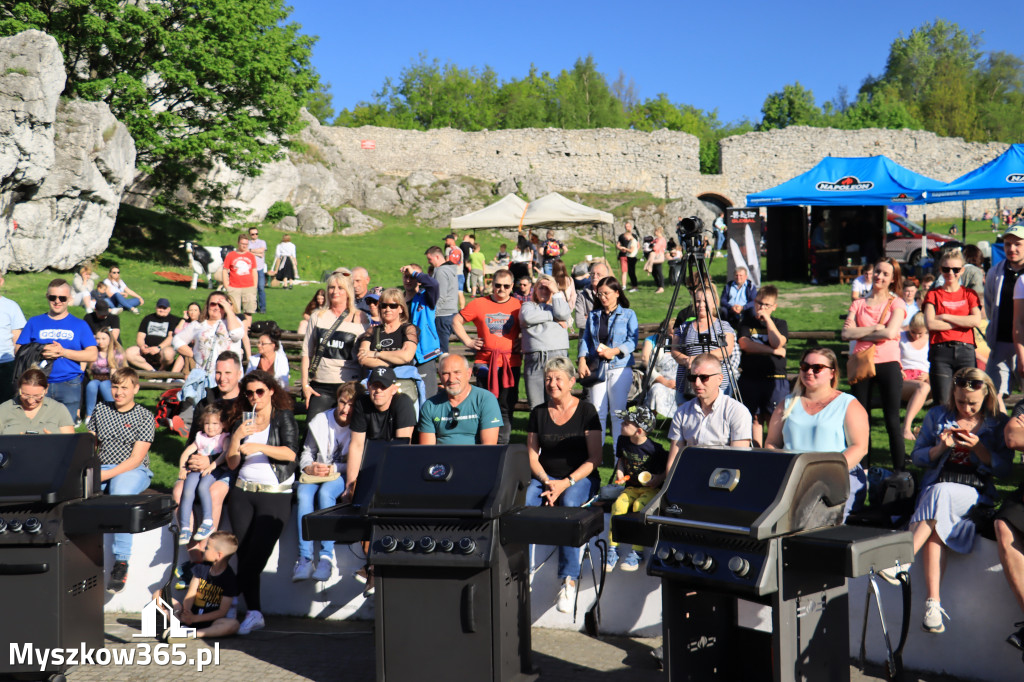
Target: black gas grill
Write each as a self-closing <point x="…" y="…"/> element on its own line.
<point x="448" y="540"/>
<point x="737" y="530"/>
<point x="52" y="517"/>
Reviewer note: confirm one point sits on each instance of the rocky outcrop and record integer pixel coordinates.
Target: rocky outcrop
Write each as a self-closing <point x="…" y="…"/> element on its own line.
<point x="64" y="164"/>
<point x="314" y="220"/>
<point x="353" y="221"/>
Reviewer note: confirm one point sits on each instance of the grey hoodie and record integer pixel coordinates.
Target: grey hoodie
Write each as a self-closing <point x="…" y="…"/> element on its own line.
<point x="539" y="324"/>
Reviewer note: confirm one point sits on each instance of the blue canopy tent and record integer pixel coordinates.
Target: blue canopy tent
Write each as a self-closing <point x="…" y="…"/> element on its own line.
<point x="850" y="181"/>
<point x="1001" y="177"/>
<point x="843" y="193"/>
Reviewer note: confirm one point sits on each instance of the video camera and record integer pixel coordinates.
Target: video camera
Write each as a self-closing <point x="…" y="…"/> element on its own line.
<point x="691" y="235"/>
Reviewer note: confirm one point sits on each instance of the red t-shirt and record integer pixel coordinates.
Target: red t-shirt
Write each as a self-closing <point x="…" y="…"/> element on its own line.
<point x="959" y="302"/>
<point x="496" y="323"/>
<point x="241" y="269"/>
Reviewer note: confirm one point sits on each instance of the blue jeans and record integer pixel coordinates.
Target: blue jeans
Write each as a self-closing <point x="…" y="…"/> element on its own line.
<point x="549" y="266"/>
<point x="130" y="482"/>
<point x="96" y="388"/>
<point x="196" y="484"/>
<point x="118" y="300"/>
<point x="261" y="291"/>
<point x="576" y="495"/>
<point x="327" y="495"/>
<point x="443" y="324"/>
<point x="67" y="393"/>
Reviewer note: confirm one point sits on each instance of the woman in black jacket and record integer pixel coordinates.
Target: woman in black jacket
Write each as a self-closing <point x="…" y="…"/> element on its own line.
<point x="263" y="449"/>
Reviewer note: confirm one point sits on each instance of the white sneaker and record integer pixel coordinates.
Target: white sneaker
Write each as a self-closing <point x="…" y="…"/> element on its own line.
<point x="303" y="570"/>
<point x="889" y="574"/>
<point x="253" y="621"/>
<point x="566" y="596"/>
<point x="324" y="569"/>
<point x="933" y="613"/>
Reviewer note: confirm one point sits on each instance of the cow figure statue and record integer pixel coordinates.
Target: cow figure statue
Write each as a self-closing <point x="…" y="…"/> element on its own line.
<point x="205" y="260"/>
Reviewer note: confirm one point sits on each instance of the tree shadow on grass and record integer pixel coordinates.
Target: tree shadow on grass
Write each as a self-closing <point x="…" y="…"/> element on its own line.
<point x="143" y="235"/>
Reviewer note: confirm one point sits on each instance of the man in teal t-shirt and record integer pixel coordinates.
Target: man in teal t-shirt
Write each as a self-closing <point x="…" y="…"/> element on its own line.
<point x="464" y="414"/>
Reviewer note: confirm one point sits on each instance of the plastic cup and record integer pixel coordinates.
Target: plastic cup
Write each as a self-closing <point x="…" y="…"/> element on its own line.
<point x="644" y="477"/>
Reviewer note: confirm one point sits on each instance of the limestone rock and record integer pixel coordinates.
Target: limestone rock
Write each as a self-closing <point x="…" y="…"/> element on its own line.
<point x="533" y="187"/>
<point x="385" y="199"/>
<point x="355" y="222"/>
<point x="289" y="223"/>
<point x="64" y="165"/>
<point x="314" y="220"/>
<point x="507" y="186"/>
<point x="420" y="179"/>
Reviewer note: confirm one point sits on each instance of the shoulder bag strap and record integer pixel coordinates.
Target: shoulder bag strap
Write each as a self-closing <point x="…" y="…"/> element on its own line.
<point x="319" y="355"/>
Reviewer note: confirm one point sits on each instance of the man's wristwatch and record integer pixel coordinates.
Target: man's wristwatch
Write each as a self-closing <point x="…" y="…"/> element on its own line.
<point x="572" y="481"/>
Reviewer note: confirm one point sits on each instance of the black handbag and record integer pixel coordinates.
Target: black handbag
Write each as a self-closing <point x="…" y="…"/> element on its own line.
<point x="598" y="371"/>
<point x="964" y="475"/>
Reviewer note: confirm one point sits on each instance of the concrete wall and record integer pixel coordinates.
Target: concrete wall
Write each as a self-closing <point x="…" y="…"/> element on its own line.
<point x="980" y="605"/>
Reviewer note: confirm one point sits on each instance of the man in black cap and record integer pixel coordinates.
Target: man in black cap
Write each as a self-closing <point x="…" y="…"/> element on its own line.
<point x="153" y="351"/>
<point x="101" y="318"/>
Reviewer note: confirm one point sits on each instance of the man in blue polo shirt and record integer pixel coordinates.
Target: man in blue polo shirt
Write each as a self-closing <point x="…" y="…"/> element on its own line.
<point x="464" y="414"/>
<point x="67" y="341"/>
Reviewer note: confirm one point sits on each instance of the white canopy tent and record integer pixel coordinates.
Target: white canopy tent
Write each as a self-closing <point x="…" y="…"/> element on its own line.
<point x="551" y="210"/>
<point x="506" y="212"/>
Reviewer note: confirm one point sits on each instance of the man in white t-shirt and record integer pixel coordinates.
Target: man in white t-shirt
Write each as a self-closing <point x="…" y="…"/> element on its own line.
<point x="258" y="247"/>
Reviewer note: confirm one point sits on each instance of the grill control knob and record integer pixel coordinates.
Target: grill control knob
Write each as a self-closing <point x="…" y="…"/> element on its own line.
<point x="739" y="566"/>
<point x="388" y="543"/>
<point x="665" y="555"/>
<point x="467" y="546"/>
<point x="3" y="526"/>
<point x="407" y="545"/>
<point x="446" y="545"/>
<point x="681" y="557"/>
<point x="32" y="525"/>
<point x="703" y="562"/>
<point x="14" y="525"/>
<point x="427" y="544"/>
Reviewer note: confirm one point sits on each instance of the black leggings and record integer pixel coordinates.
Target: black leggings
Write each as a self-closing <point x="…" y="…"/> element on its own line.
<point x="327" y="399"/>
<point x="889" y="380"/>
<point x="257" y="520"/>
<point x="631" y="265"/>
<point x="659" y="278"/>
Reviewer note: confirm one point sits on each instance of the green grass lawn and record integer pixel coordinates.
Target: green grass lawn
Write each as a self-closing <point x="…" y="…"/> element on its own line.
<point x="145" y="243"/>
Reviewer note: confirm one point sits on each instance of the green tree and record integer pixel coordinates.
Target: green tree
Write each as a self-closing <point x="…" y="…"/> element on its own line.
<point x="793" y="106"/>
<point x="526" y="103"/>
<point x="583" y="99"/>
<point x="1001" y="97"/>
<point x="882" y="108"/>
<point x="196" y="83"/>
<point x="318" y="103"/>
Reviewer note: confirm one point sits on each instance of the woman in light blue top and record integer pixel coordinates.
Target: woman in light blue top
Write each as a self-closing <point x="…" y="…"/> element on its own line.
<point x="817" y="417"/>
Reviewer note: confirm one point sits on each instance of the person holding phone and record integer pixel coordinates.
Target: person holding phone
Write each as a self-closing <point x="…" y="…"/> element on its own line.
<point x="962" y="450"/>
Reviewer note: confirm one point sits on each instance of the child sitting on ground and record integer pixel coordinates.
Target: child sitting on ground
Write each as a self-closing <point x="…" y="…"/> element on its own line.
<point x="211" y="441"/>
<point x="640" y="466"/>
<point x="214" y="585"/>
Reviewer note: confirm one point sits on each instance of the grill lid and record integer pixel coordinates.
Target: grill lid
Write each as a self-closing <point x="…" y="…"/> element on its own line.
<point x="48" y="468"/>
<point x="466" y="481"/>
<point x="758" y="493"/>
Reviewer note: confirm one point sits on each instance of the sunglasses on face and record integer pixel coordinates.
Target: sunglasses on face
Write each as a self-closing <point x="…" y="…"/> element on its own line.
<point x="969" y="384"/>
<point x="389" y="306"/>
<point x="255" y="393"/>
<point x="51" y="298"/>
<point x="502" y="286"/>
<point x="951" y="271"/>
<point x="704" y="378"/>
<point x="115" y="272"/>
<point x="815" y="369"/>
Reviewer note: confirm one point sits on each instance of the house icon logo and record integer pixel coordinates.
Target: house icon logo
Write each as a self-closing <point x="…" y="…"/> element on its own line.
<point x="158" y="616"/>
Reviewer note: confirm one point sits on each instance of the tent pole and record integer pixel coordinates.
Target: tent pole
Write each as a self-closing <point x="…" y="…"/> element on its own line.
<point x="963" y="222"/>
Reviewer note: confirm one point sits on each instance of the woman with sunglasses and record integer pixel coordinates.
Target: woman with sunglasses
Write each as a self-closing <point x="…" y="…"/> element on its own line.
<point x="393" y="343"/>
<point x="961" y="449"/>
<point x="264" y="451"/>
<point x="31" y="411"/>
<point x="270" y="356"/>
<point x="217" y="330"/>
<point x="951" y="313"/>
<point x="611" y="336"/>
<point x="817" y="417"/>
<point x="876" y="319"/>
<point x="119" y="293"/>
<point x="329" y="346"/>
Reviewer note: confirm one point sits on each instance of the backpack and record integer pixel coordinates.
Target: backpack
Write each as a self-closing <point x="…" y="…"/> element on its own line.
<point x="167" y="406"/>
<point x="552" y="249"/>
<point x="28" y="356"/>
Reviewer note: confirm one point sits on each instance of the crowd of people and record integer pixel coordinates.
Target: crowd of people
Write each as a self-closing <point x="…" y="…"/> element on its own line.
<point x="375" y="365"/>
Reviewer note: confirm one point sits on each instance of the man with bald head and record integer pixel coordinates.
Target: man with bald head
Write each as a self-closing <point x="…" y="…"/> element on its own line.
<point x="586" y="299"/>
<point x="360" y="285"/>
<point x="463" y="414"/>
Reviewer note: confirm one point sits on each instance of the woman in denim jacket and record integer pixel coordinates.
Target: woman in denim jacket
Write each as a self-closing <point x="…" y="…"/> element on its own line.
<point x="611" y="334"/>
<point x="962" y="449"/>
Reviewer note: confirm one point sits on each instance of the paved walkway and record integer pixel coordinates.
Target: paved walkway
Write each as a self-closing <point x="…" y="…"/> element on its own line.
<point x="304" y="649"/>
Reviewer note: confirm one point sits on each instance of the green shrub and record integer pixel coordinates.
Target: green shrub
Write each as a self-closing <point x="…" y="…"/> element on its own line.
<point x="279" y="210"/>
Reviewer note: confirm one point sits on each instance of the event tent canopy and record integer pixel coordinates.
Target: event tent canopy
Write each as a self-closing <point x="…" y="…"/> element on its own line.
<point x="506" y="212"/>
<point x="1003" y="176"/>
<point x="548" y="211"/>
<point x="850" y="181"/>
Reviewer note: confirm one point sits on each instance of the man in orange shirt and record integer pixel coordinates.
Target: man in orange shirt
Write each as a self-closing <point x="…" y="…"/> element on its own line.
<point x="498" y="355"/>
<point x="239" y="277"/>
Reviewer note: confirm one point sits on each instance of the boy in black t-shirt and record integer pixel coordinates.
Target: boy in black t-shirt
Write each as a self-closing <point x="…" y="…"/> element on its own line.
<point x="762" y="340"/>
<point x="213" y="588"/>
<point x="640" y="466"/>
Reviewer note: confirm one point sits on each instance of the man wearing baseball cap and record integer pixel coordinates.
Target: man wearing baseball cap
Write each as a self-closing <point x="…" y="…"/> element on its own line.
<point x="153" y="349"/>
<point x="1001" y="294"/>
<point x="101" y="317"/>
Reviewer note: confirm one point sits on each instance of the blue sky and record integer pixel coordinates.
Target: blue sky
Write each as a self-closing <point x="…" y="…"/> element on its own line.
<point x="724" y="55"/>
